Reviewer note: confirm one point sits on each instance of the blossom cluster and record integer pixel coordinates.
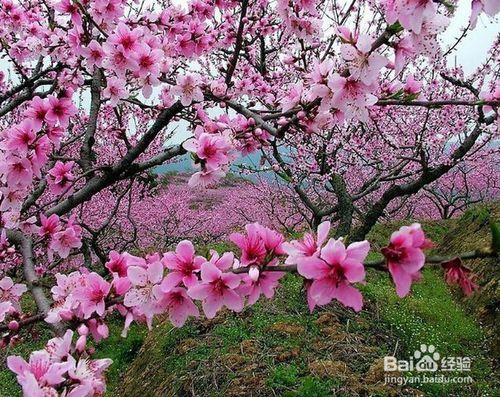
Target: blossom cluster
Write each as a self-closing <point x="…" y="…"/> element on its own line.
<point x="60" y="368"/>
<point x="25" y="150"/>
<point x="141" y="288"/>
<point x="61" y="238"/>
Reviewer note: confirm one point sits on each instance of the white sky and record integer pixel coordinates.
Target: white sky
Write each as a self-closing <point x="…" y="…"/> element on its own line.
<point x="473" y="48"/>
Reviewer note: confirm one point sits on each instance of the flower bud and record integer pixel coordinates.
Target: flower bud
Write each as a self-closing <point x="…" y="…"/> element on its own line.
<point x="83" y="330"/>
<point x="13" y="325"/>
<point x="254" y="273"/>
<point x="81" y="343"/>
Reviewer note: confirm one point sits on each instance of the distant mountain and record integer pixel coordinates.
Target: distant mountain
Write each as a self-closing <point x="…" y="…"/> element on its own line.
<point x="185" y="165"/>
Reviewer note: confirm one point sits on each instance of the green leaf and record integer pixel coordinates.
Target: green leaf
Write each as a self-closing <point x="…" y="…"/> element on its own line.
<point x="495" y="236"/>
<point x="395" y="28"/>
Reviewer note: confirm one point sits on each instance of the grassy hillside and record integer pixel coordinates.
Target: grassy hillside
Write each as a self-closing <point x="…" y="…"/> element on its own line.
<point x="278" y="348"/>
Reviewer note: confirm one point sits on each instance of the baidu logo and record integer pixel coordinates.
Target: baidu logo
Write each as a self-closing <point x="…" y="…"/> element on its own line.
<point x="424" y="365"/>
<point x="427" y="359"/>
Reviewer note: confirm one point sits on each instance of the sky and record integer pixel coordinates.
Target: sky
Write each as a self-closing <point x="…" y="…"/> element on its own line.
<point x="472" y="49"/>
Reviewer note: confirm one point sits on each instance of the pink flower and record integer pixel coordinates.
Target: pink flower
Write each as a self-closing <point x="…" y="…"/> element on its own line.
<point x="40" y="367"/>
<point x="216" y="290"/>
<point x="333" y="272"/>
<point x="308" y="246"/>
<point x="98" y="329"/>
<point x="259" y="244"/>
<point x="253" y="250"/>
<point x="61" y="176"/>
<point x="20" y="138"/>
<point x="178" y="304"/>
<point x="292" y="97"/>
<point x="50" y="225"/>
<point x="19" y="171"/>
<point x="403" y="49"/>
<point x="90" y="374"/>
<point x="311" y="303"/>
<point x="37" y="112"/>
<point x="318" y="78"/>
<point x="60" y="111"/>
<point x="486" y="95"/>
<point x="94" y="54"/>
<point x="119" y="263"/>
<point x="205" y="177"/>
<point x="188" y="89"/>
<point x="351" y="96"/>
<point x="67" y="7"/>
<point x="405" y="257"/>
<point x="223" y="262"/>
<point x="183" y="266"/>
<point x="412" y="86"/>
<point x="41" y="149"/>
<point x="363" y="64"/>
<point x="10" y="292"/>
<point x="59" y="348"/>
<point x="125" y="39"/>
<point x="411" y="14"/>
<point x="273" y="241"/>
<point x="265" y="283"/>
<point x="149" y="61"/>
<point x="456" y="273"/>
<point x="119" y="60"/>
<point x="92" y="295"/>
<point x="6" y="308"/>
<point x="11" y="199"/>
<point x="143" y="294"/>
<point x="65" y="240"/>
<point x="66" y="284"/>
<point x="115" y="90"/>
<point x="211" y="149"/>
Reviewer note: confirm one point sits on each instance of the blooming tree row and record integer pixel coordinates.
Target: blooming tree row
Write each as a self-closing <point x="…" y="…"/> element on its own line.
<point x="352" y="105"/>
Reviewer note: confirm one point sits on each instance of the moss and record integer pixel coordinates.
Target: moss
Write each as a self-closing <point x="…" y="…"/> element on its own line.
<point x="430" y="315"/>
<point x="312" y="387"/>
<point x="121" y="350"/>
<point x="283" y="377"/>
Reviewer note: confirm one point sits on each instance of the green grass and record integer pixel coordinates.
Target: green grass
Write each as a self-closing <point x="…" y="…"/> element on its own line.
<point x="121" y="350"/>
<point x="430" y="315"/>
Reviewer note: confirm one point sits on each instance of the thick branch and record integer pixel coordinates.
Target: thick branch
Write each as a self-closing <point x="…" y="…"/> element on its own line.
<point x="125" y="167"/>
<point x="428" y="176"/>
<point x="239" y="42"/>
<point x="25" y="246"/>
<point x="89" y="139"/>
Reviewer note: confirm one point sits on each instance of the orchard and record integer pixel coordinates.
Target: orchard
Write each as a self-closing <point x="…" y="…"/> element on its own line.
<point x="352" y="107"/>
